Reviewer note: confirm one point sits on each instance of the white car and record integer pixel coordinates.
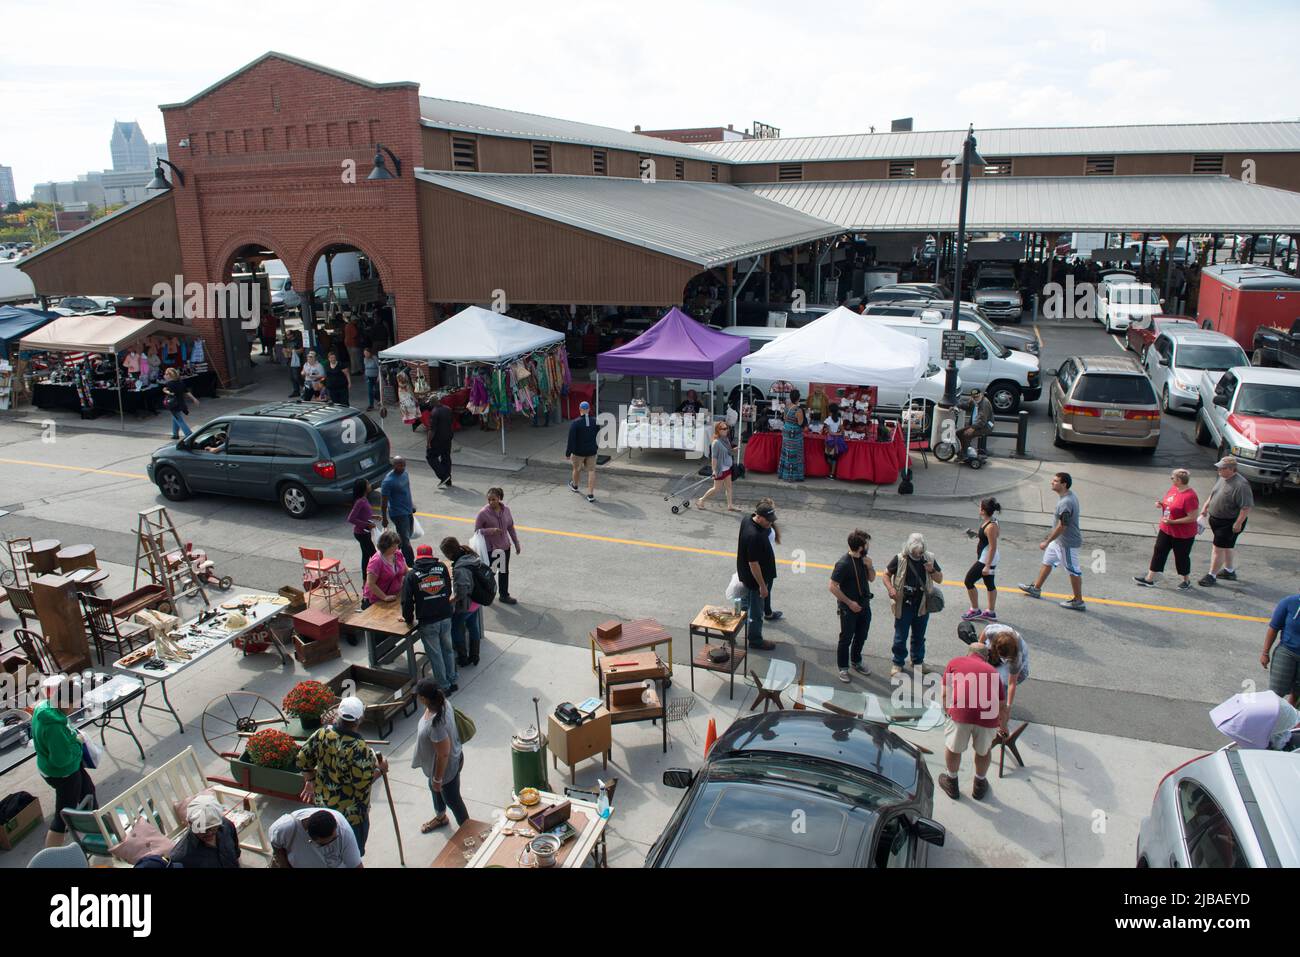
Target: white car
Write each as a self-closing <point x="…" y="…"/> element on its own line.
<point x="1228" y="808"/>
<point x="1177" y="358"/>
<point x="1120" y="300"/>
<point x="283" y="295"/>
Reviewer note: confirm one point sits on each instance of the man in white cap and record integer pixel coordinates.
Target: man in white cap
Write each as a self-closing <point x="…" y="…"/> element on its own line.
<point x="211" y="840"/>
<point x="339" y="767"/>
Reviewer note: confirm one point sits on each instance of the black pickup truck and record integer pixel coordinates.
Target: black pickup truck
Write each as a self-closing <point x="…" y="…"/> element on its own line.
<point x="1273" y="347"/>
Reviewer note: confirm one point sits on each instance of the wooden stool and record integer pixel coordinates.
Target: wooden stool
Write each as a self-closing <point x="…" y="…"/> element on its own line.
<point x="1003" y="742"/>
<point x="43" y="558"/>
<point x="76" y="556"/>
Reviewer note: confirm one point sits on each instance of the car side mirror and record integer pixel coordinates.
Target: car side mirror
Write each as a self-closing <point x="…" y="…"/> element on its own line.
<point x="931" y="832"/>
<point x="1164" y="361"/>
<point x="1221" y="400"/>
<point x="679" y="777"/>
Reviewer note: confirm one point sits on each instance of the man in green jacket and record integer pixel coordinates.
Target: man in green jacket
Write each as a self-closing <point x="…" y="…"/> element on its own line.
<point x="58" y="754"/>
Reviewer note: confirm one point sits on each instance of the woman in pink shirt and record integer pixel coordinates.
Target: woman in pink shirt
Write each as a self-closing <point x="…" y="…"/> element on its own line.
<point x="386" y="570"/>
<point x="498" y="528"/>
<point x="1177" y="531"/>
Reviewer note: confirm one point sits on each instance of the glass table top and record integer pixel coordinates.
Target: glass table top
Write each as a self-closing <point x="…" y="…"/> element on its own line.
<point x="868" y="706"/>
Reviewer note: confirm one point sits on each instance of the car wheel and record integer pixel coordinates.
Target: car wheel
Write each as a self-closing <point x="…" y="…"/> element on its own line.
<point x="1059" y="442"/>
<point x="1164" y="400"/>
<point x="296" y="500"/>
<point x="1257" y="358"/>
<point x="1148" y="451"/>
<point x="172" y="484"/>
<point x="1005" y="397"/>
<point x="1202" y="433"/>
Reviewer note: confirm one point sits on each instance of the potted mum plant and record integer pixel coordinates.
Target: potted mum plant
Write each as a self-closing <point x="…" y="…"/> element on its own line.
<point x="309" y="701"/>
<point x="269" y="764"/>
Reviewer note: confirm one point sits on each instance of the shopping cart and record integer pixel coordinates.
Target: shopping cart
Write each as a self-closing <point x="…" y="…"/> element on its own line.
<point x="686" y="487"/>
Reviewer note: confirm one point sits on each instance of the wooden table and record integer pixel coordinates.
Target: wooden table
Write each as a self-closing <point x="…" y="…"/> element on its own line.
<point x="43" y="557"/>
<point x="705" y="628"/>
<point x="572" y="743"/>
<point x="633" y="669"/>
<point x="76" y="556"/>
<point x="453" y="854"/>
<point x="635" y="635"/>
<point x="88" y="580"/>
<point x="386" y="633"/>
<point x="501" y="850"/>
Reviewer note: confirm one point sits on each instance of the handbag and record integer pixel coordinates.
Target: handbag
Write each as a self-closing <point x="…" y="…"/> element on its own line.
<point x="465" y="726"/>
<point x="933" y="599"/>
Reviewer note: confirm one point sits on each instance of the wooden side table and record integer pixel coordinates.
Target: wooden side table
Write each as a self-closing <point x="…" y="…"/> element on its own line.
<point x="636" y="635"/>
<point x="633" y="669"/>
<point x="76" y="556"/>
<point x="43" y="558"/>
<point x="572" y="743"/>
<point x="705" y="628"/>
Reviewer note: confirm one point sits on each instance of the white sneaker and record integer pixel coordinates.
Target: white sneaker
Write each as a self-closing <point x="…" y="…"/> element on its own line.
<point x="844" y="675"/>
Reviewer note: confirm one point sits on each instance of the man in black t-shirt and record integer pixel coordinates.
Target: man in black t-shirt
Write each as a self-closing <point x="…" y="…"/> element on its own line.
<point x="756" y="567"/>
<point x="850" y="584"/>
<point x="437" y="443"/>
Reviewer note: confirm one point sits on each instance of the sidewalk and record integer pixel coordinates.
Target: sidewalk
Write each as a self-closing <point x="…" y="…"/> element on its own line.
<point x="1078" y="802"/>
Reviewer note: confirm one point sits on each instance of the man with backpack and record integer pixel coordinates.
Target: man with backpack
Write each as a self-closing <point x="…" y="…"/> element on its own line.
<point x="426" y="598"/>
<point x="473" y="585"/>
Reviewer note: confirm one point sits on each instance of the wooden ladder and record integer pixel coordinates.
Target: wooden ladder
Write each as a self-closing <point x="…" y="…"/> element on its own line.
<point x="156" y="539"/>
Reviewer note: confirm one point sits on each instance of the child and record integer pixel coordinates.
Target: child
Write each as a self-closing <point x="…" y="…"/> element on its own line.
<point x="835" y="444"/>
<point x="815" y="426"/>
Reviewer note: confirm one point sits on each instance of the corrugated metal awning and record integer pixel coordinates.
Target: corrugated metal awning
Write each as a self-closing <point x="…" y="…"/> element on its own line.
<point x="1198" y="204"/>
<point x="709" y="224"/>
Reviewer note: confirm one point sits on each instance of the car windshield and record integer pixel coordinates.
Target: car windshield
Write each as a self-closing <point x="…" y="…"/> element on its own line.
<point x="1134" y="296"/>
<point x="1114" y="389"/>
<point x="1214" y="358"/>
<point x="859" y="787"/>
<point x="1269" y="401"/>
<point x="995" y="282"/>
<point x="349" y="434"/>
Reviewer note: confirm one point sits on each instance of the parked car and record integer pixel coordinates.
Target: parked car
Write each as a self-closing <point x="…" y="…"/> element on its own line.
<point x="909" y="290"/>
<point x="1228" y="808"/>
<point x="1178" y="358"/>
<point x="1104" y="400"/>
<point x="1017" y="341"/>
<point x="80" y="305"/>
<point x="1121" y="300"/>
<point x="300" y="454"/>
<point x="778" y="315"/>
<point x="1254" y="414"/>
<point x="861" y="794"/>
<point x="1277" y="347"/>
<point x="997" y="292"/>
<point x="1143" y="330"/>
<point x="283" y="295"/>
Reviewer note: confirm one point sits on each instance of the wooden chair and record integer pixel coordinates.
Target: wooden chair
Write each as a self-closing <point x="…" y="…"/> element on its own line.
<point x="41" y="656"/>
<point x="24" y="606"/>
<point x="327" y="577"/>
<point x="105" y="629"/>
<point x="781" y="674"/>
<point x="1008" y="741"/>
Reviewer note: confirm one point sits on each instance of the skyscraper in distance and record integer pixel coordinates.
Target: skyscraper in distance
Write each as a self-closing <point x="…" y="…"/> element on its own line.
<point x="7" y="192"/>
<point x="129" y="147"/>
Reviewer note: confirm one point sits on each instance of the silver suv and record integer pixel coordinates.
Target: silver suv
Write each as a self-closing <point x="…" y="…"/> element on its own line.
<point x="301" y="454"/>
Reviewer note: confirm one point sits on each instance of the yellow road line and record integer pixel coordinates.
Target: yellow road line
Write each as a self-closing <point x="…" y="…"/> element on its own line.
<point x="686" y="549"/>
<point x="1039" y="336"/>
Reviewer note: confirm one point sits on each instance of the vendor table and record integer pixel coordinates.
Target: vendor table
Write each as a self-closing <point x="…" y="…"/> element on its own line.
<point x="47" y="395"/>
<point x="386" y="633"/>
<point x="685" y="433"/>
<point x="862" y="461"/>
<point x="202" y="641"/>
<point x="456" y="401"/>
<point x="619" y="670"/>
<point x="634" y="635"/>
<point x="102" y="706"/>
<point x="453" y="852"/>
<point x="503" y="850"/>
<point x="705" y="628"/>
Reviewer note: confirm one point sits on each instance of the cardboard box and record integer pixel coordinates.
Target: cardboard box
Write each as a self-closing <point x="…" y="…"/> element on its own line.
<point x="610" y="629"/>
<point x="20" y="825"/>
<point x="317" y="625"/>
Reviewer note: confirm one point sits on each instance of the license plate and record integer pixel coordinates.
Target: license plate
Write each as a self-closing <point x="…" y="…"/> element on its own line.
<point x="1112" y="413"/>
<point x="367" y="463"/>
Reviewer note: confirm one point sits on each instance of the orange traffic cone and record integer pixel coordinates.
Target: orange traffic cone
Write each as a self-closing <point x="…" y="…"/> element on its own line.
<point x="710" y="737"/>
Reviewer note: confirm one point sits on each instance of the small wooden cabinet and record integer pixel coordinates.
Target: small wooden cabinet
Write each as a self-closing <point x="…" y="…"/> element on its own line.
<point x="573" y="743"/>
<point x="62" y="624"/>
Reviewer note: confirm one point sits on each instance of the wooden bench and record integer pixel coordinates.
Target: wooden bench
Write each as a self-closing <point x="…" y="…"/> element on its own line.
<point x="155" y="797"/>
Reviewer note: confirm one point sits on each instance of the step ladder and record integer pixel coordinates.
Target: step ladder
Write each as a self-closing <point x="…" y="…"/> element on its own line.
<point x="160" y="555"/>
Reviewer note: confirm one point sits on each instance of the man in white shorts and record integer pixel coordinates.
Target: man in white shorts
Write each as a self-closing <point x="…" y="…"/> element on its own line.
<point x="1062" y="546"/>
<point x="974" y="704"/>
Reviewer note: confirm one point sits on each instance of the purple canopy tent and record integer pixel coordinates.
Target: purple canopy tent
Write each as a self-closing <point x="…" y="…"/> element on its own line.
<point x="675" y="347"/>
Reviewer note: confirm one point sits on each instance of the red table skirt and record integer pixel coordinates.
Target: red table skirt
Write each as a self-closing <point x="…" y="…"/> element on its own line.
<point x="456" y="401"/>
<point x="863" y="461"/>
<point x="579" y="392"/>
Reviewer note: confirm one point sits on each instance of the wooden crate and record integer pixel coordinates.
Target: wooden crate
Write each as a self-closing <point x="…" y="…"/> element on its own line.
<point x="312" y="651"/>
<point x="386" y="693"/>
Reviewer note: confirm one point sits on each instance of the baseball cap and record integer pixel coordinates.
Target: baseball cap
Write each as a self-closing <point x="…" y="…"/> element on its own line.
<point x="424" y="551"/>
<point x="1227" y="462"/>
<point x="584" y="405"/>
<point x="203" y="814"/>
<point x="352" y="708"/>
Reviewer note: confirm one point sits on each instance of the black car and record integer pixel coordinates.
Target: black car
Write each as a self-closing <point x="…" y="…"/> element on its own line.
<point x="802" y="789"/>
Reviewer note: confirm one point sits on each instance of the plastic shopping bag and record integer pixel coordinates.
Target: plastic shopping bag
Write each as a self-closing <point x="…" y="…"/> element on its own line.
<point x="479" y="543"/>
<point x="417" y="530"/>
<point x="735" y="589"/>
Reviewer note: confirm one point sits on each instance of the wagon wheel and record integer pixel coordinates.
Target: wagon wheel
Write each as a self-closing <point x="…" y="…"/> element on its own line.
<point x="225" y="582"/>
<point x="227" y="716"/>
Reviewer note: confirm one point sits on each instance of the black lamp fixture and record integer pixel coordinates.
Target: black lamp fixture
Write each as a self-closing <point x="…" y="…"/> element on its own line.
<point x="381" y="171"/>
<point x="159" y="181"/>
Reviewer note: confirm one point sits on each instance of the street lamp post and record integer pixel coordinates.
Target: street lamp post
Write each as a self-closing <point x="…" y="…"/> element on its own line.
<point x="969" y="157"/>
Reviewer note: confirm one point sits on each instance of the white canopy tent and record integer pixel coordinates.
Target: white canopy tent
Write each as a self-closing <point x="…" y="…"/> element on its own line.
<point x="475" y="336"/>
<point x="15" y="285"/>
<point x="843" y="346"/>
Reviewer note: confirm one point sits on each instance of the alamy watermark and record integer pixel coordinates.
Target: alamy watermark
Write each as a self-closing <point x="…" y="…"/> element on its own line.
<point x="213" y="300"/>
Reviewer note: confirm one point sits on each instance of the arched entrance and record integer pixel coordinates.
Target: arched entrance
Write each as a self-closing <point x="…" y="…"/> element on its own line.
<point x="250" y="341"/>
<point x="349" y="308"/>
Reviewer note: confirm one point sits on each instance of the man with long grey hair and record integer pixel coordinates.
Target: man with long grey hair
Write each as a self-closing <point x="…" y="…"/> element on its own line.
<point x="910" y="578"/>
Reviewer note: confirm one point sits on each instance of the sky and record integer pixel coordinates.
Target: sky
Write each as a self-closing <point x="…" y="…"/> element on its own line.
<point x="70" y="68"/>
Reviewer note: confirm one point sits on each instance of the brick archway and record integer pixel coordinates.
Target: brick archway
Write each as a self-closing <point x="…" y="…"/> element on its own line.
<point x="258" y="238"/>
<point x="316" y="245"/>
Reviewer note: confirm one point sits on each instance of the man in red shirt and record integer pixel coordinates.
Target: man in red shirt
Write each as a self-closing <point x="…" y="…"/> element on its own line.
<point x="975" y="707"/>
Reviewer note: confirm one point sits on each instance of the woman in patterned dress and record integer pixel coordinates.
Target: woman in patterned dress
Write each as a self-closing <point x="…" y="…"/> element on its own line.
<point x="790" y="468"/>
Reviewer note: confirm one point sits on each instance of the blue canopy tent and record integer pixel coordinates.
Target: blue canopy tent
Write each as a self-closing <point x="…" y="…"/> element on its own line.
<point x="16" y="322"/>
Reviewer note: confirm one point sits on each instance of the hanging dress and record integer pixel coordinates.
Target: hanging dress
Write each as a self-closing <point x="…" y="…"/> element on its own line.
<point x="791" y="465"/>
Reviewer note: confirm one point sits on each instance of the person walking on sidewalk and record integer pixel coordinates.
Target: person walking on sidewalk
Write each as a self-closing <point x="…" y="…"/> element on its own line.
<point x="850" y="584"/>
<point x="1284" y="664"/>
<point x="1226" y="510"/>
<point x="986" y="562"/>
<point x="466" y="620"/>
<point x="498" y="527"/>
<point x="1177" y="531"/>
<point x="720" y="463"/>
<point x="395" y="502"/>
<point x="60" y="757"/>
<point x="438" y="754"/>
<point x="756" y="566"/>
<point x="371" y="366"/>
<point x="362" y="520"/>
<point x="1061" y="547"/>
<point x="338" y="768"/>
<point x="910" y="578"/>
<point x="312" y="372"/>
<point x="974" y="702"/>
<point x="294" y="362"/>
<point x="176" y="399"/>
<point x="336" y="381"/>
<point x="426" y="599"/>
<point x="774" y="537"/>
<point x="582" y="447"/>
<point x="437" y="443"/>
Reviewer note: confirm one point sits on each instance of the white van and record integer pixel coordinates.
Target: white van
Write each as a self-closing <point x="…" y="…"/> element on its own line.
<point x="1122" y="300"/>
<point x="929" y="389"/>
<point x="1008" y="377"/>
